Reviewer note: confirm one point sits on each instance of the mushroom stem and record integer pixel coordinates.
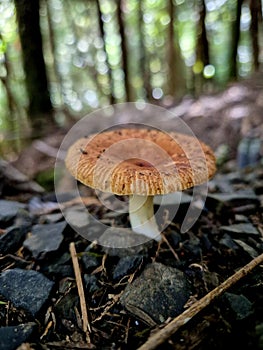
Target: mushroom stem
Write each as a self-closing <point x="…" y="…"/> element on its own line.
<point x="142" y="217"/>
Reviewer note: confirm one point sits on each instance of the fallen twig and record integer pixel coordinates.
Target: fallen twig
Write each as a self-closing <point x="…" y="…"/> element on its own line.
<point x="83" y="306"/>
<point x="165" y="333"/>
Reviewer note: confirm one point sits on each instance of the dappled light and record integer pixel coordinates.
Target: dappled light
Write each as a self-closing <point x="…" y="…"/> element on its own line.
<point x="102" y="52"/>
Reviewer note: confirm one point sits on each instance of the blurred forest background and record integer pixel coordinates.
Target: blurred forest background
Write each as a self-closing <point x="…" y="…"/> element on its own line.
<point x="61" y="59"/>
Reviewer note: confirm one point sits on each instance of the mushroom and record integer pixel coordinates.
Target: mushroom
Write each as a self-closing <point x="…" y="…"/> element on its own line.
<point x="140" y="163"/>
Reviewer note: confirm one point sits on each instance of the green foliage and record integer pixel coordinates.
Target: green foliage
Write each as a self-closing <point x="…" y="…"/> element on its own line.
<point x="78" y="65"/>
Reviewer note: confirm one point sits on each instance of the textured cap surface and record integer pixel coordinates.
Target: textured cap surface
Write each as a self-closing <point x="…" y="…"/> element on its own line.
<point x="140" y="161"/>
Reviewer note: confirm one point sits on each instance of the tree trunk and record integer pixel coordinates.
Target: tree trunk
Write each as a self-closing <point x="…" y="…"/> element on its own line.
<point x="40" y="108"/>
<point x="202" y="50"/>
<point x="124" y="49"/>
<point x="233" y="72"/>
<point x="102" y="34"/>
<point x="144" y="68"/>
<point x="256" y="16"/>
<point x="176" y="78"/>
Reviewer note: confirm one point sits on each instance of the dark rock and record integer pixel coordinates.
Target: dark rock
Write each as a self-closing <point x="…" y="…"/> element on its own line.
<point x="176" y="238"/>
<point x="220" y="183"/>
<point x="26" y="289"/>
<point x="205" y="241"/>
<point x="241" y="218"/>
<point x="45" y="238"/>
<point x="9" y="210"/>
<point x="61" y="266"/>
<point x="242" y="228"/>
<point x="258" y="187"/>
<point x="13" y="336"/>
<point x="14" y="179"/>
<point x="12" y="239"/>
<point x="239" y="305"/>
<point x="220" y="200"/>
<point x="127" y="265"/>
<point x="51" y="218"/>
<point x="192" y="250"/>
<point x="77" y="217"/>
<point x="37" y="207"/>
<point x="158" y="293"/>
<point x="228" y="242"/>
<point x="90" y="260"/>
<point x="251" y="251"/>
<point x="23" y="219"/>
<point x="65" y="307"/>
<point x="91" y="283"/>
<point x="122" y="242"/>
<point x="247" y="209"/>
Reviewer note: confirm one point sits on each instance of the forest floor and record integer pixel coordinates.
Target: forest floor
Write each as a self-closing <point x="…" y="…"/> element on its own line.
<point x="131" y="293"/>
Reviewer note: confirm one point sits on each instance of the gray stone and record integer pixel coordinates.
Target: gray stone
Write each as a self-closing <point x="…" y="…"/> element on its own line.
<point x="126" y="265"/>
<point x="232" y="199"/>
<point x="9" y="210"/>
<point x="158" y="293"/>
<point x="251" y="251"/>
<point x="51" y="218"/>
<point x="26" y="289"/>
<point x="37" y="206"/>
<point x="77" y="217"/>
<point x="91" y="283"/>
<point x="246" y="228"/>
<point x="45" y="238"/>
<point x="65" y="307"/>
<point x="241" y="218"/>
<point x="11" y="240"/>
<point x="61" y="266"/>
<point x="228" y="242"/>
<point x="90" y="260"/>
<point x="239" y="305"/>
<point x="13" y="336"/>
<point x="122" y="242"/>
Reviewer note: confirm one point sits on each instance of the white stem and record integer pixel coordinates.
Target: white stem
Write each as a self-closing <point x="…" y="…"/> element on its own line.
<point x="142" y="216"/>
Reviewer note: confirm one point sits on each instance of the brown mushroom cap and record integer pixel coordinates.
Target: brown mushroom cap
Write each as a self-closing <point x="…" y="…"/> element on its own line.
<point x="140" y="161"/>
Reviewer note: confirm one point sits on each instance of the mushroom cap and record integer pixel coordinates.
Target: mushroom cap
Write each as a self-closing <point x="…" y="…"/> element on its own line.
<point x="140" y="161"/>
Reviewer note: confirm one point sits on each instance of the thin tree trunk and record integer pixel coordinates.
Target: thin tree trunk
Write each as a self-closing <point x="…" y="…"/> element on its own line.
<point x="202" y="47"/>
<point x="6" y="82"/>
<point x="256" y="16"/>
<point x="202" y="50"/>
<point x="233" y="73"/>
<point x="124" y="49"/>
<point x="144" y="69"/>
<point x="176" y="78"/>
<point x="52" y="41"/>
<point x="40" y="107"/>
<point x="102" y="34"/>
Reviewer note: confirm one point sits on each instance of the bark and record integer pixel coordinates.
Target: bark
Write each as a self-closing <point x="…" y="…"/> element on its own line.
<point x="202" y="50"/>
<point x="256" y="17"/>
<point x="52" y="41"/>
<point x="124" y="49"/>
<point x="144" y="68"/>
<point x="233" y="72"/>
<point x="102" y="34"/>
<point x="40" y="107"/>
